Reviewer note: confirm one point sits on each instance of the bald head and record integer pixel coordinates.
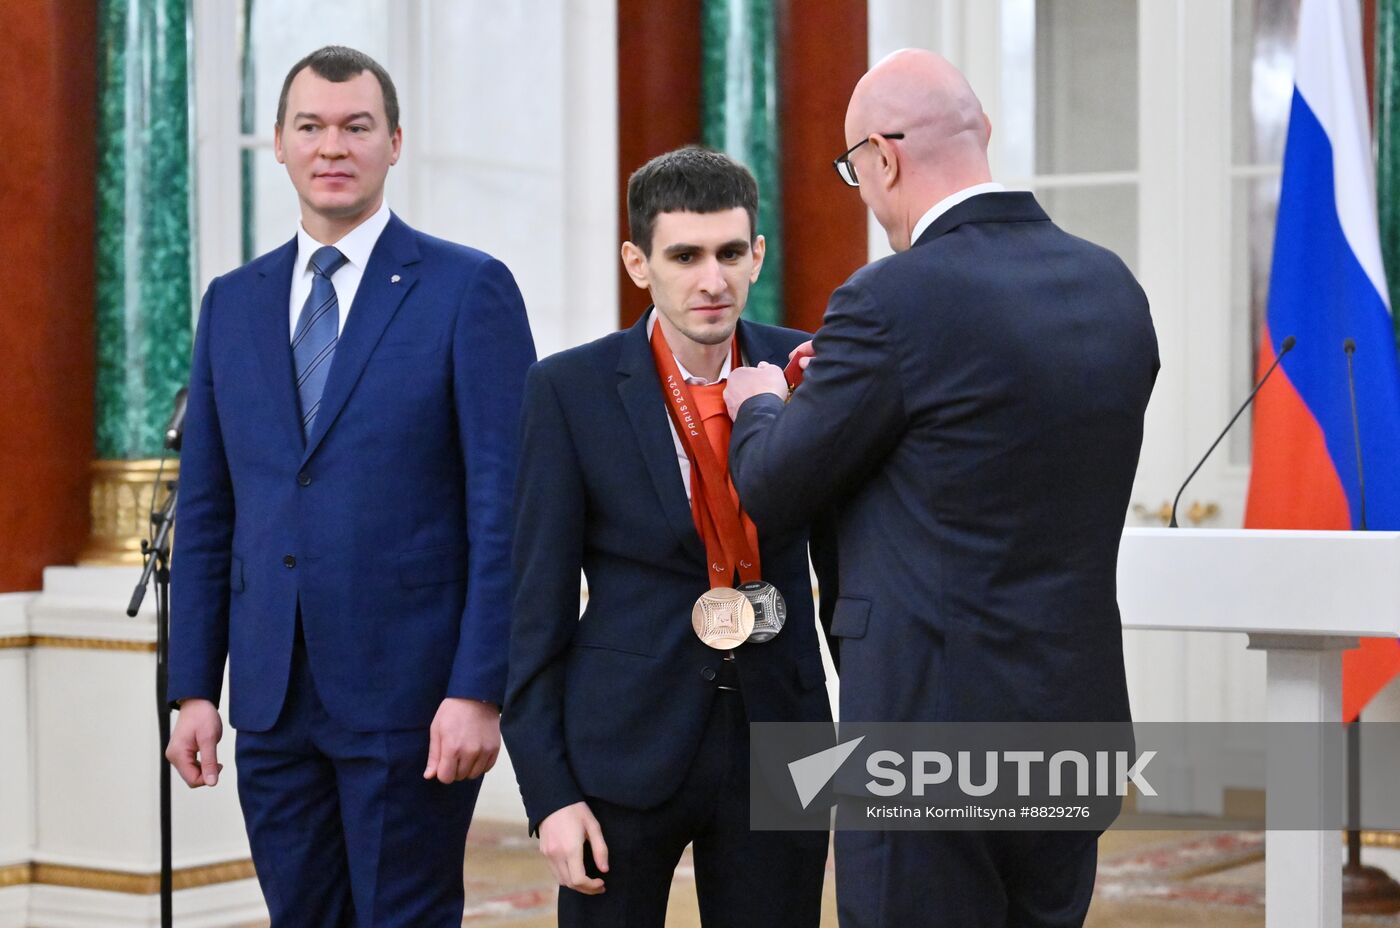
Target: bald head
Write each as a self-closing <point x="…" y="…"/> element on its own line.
<point x="923" y="95"/>
<point x="944" y="148"/>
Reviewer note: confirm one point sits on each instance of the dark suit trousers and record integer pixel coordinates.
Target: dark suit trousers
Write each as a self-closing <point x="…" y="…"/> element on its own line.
<point x="344" y="829"/>
<point x="742" y="877"/>
<point x="964" y="879"/>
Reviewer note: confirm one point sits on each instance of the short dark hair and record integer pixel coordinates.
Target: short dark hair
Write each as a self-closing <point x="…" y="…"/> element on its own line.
<point x="336" y="63"/>
<point x="692" y="180"/>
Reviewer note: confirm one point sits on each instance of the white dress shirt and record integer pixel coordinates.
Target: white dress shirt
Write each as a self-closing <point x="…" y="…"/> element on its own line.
<point x="356" y="246"/>
<point x="688" y="377"/>
<point x="948" y="202"/>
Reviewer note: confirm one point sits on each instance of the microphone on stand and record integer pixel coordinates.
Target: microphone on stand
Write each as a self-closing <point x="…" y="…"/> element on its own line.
<point x="1283" y="349"/>
<point x="157" y="551"/>
<point x="1360" y="881"/>
<point x="1349" y="346"/>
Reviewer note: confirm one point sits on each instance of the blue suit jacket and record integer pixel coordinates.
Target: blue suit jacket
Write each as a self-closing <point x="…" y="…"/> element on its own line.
<point x="613" y="705"/>
<point x="390" y="524"/>
<point x="973" y="419"/>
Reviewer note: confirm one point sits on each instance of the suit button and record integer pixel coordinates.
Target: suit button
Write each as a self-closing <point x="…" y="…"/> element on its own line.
<point x="708" y="673"/>
<point x="304" y="479"/>
<point x="289" y="561"/>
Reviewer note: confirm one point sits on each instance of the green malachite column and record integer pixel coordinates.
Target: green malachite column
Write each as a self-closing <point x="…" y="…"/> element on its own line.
<point x="739" y="116"/>
<point x="247" y="116"/>
<point x="144" y="229"/>
<point x="1388" y="144"/>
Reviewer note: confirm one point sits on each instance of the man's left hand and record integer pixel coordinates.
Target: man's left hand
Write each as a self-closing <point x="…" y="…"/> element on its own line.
<point x="464" y="740"/>
<point x="747" y="382"/>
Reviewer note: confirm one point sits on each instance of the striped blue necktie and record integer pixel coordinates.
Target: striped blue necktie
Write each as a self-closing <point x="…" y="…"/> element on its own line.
<point x="313" y="343"/>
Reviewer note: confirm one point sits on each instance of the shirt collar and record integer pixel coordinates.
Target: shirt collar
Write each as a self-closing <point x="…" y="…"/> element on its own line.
<point x="948" y="202"/>
<point x="356" y="246"/>
<point x="686" y="375"/>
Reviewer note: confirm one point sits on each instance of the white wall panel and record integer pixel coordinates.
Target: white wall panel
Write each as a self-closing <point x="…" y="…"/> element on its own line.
<point x="16" y="809"/>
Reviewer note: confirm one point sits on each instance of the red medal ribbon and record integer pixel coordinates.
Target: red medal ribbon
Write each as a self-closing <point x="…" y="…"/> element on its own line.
<point x="731" y="539"/>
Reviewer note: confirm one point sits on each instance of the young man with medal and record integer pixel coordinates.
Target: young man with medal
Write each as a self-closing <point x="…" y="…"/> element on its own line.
<point x="628" y="727"/>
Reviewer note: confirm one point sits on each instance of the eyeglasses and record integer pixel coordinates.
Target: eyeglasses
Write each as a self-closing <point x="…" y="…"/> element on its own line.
<point x="846" y="170"/>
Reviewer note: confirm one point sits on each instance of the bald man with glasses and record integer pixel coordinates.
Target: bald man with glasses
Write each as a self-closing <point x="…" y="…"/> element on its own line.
<point x="971" y="418"/>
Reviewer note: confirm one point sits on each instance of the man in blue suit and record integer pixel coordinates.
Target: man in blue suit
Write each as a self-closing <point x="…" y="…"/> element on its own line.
<point x="345" y="527"/>
<point x="972" y="417"/>
<point x="629" y="734"/>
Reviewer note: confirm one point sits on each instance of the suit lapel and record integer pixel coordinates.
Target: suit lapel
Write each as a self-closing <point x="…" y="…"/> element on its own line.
<point x="640" y="391"/>
<point x="270" y="322"/>
<point x="756" y="346"/>
<point x="387" y="280"/>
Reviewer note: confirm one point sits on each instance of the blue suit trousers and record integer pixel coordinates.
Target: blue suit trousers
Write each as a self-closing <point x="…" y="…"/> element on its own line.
<point x="344" y="829"/>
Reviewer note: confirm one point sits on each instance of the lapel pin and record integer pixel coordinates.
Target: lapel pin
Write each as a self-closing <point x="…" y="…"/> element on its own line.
<point x="394" y="279"/>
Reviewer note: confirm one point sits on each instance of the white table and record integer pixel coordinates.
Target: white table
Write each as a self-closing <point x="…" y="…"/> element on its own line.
<point x="1303" y="598"/>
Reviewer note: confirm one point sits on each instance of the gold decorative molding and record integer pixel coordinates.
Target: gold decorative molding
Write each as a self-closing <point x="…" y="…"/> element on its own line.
<point x="120" y="501"/>
<point x="14" y="875"/>
<point x="76" y="644"/>
<point x="90" y="644"/>
<point x="1381" y="838"/>
<point x="118" y="881"/>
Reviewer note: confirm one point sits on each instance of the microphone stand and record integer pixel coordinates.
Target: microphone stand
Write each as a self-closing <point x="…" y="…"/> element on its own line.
<point x="157" y="554"/>
<point x="1365" y="890"/>
<point x="1285" y="347"/>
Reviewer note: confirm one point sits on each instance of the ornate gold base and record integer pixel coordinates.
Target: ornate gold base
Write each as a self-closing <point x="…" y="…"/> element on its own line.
<point x="1369" y="891"/>
<point x="121" y="506"/>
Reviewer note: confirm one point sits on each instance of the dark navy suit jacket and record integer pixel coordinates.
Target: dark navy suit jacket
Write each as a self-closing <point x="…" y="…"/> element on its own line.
<point x="613" y="705"/>
<point x="973" y="419"/>
<point x="390" y="524"/>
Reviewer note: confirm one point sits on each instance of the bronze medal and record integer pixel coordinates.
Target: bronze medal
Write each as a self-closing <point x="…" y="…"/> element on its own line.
<point x="769" y="609"/>
<point x="723" y="618"/>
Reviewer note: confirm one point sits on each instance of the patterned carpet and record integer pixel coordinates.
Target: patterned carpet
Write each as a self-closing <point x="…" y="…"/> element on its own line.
<point x="1147" y="879"/>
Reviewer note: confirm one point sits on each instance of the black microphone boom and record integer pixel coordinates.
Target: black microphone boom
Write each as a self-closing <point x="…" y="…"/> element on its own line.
<point x="1349" y="346"/>
<point x="175" y="428"/>
<point x="1283" y="349"/>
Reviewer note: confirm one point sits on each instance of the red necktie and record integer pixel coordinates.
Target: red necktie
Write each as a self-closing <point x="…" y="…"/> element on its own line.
<point x="714" y="416"/>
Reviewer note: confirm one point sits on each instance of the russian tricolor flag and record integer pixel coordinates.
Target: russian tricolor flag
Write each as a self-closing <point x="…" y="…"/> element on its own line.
<point x="1327" y="285"/>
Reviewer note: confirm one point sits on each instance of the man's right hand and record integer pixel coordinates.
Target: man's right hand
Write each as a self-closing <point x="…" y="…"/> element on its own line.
<point x="193" y="747"/>
<point x="562" y="834"/>
<point x="803" y="354"/>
